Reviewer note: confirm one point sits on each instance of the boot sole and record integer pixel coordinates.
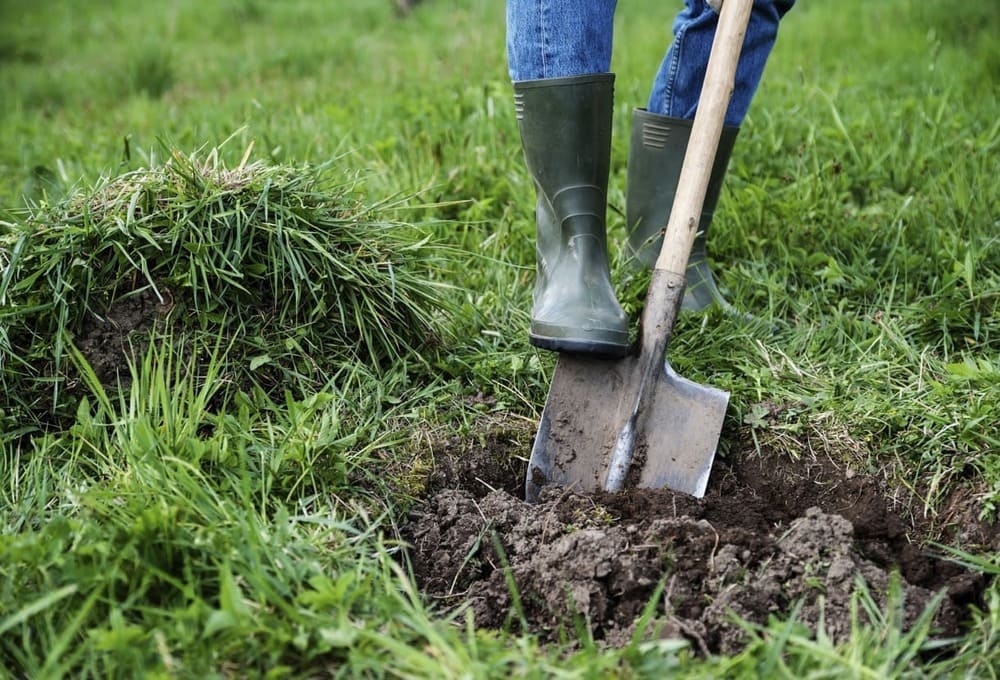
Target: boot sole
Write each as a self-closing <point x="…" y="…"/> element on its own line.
<point x="596" y="348"/>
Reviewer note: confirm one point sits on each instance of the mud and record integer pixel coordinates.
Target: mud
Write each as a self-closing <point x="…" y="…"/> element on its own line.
<point x="772" y="534"/>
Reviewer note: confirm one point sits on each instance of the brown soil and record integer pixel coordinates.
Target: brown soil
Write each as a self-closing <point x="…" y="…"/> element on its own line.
<point x="106" y="341"/>
<point x="772" y="533"/>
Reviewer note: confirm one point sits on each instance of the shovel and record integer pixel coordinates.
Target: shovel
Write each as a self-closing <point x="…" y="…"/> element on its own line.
<point x="634" y="422"/>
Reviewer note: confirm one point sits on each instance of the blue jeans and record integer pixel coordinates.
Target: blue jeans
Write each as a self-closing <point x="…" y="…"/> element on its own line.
<point x="558" y="38"/>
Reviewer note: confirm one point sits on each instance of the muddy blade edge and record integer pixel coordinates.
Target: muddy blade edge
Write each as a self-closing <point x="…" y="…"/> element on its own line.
<point x="589" y="403"/>
<point x="573" y="444"/>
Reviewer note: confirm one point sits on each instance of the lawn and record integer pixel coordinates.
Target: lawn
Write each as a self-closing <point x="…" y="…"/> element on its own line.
<point x="265" y="276"/>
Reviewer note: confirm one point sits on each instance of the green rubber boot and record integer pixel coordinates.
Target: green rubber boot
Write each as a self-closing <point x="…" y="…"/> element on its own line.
<point x="655" y="158"/>
<point x="565" y="126"/>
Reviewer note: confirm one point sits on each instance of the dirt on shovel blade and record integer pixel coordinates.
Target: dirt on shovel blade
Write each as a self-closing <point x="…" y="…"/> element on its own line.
<point x="769" y="535"/>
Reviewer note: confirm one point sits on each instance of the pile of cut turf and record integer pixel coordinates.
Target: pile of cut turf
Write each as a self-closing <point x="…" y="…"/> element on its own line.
<point x="284" y="268"/>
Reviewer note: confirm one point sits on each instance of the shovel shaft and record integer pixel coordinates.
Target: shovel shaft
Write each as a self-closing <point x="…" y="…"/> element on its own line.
<point x="720" y="77"/>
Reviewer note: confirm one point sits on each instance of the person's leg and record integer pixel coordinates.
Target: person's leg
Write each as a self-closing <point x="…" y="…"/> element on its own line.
<point x="559" y="54"/>
<point x="677" y="85"/>
<point x="558" y="38"/>
<point x="660" y="134"/>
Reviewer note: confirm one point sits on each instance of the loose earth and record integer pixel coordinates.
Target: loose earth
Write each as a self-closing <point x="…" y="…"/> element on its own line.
<point x="772" y="536"/>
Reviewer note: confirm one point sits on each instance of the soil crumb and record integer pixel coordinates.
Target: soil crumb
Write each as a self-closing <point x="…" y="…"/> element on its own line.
<point x="769" y="536"/>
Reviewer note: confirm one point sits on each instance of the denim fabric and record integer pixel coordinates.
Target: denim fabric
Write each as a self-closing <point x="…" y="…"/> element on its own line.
<point x="678" y="82"/>
<point x="557" y="38"/>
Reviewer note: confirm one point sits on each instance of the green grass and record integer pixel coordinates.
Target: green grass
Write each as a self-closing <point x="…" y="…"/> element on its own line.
<point x="232" y="509"/>
<point x="223" y="251"/>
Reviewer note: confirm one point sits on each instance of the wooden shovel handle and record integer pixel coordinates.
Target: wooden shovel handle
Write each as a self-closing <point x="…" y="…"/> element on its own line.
<point x="720" y="77"/>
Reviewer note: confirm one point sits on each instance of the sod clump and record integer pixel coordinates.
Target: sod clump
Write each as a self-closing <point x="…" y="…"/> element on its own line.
<point x="287" y="266"/>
